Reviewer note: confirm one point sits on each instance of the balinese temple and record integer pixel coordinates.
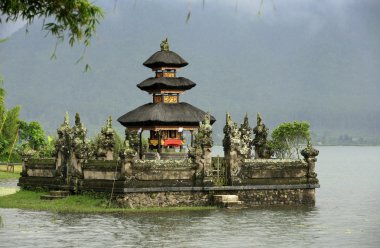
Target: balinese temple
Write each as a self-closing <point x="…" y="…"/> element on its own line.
<point x="166" y="117"/>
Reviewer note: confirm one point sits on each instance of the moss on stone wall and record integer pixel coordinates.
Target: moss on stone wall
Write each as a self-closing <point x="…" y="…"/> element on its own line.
<point x="159" y="183"/>
<point x="277" y="197"/>
<point x="249" y="198"/>
<point x="40" y="164"/>
<point x="147" y="165"/>
<point x="101" y="165"/>
<point x="164" y="199"/>
<point x="41" y="182"/>
<point x="40" y="161"/>
<point x="274" y="181"/>
<point x="274" y="163"/>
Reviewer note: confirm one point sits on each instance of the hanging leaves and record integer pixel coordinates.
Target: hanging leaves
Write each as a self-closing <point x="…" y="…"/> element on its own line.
<point x="74" y="19"/>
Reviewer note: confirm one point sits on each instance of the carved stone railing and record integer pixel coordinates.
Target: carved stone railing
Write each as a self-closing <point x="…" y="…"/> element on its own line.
<point x="156" y="173"/>
<point x="40" y="168"/>
<point x="272" y="171"/>
<point x="102" y="170"/>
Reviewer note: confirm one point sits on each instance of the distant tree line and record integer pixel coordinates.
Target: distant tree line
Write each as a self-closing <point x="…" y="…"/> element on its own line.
<point x="17" y="136"/>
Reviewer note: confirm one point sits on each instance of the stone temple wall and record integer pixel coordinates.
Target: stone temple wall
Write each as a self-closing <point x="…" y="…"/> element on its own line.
<point x="164" y="199"/>
<point x="191" y="181"/>
<point x="249" y="197"/>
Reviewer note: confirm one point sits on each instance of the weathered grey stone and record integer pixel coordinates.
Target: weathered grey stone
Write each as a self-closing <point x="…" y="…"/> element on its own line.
<point x="200" y="153"/>
<point x="101" y="175"/>
<point x="172" y="174"/>
<point x="262" y="150"/>
<point x="246" y="138"/>
<point x="164" y="199"/>
<point x="41" y="172"/>
<point x="273" y="168"/>
<point x="310" y="154"/>
<point x="225" y="198"/>
<point x="40" y="167"/>
<point x="63" y="147"/>
<point x="248" y="197"/>
<point x="232" y="145"/>
<point x="106" y="142"/>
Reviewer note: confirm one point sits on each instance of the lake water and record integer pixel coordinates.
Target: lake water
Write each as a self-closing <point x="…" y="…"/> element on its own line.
<point x="347" y="214"/>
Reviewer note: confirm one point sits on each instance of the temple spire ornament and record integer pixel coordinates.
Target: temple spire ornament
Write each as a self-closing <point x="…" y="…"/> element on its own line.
<point x="165" y="45"/>
<point x="66" y="119"/>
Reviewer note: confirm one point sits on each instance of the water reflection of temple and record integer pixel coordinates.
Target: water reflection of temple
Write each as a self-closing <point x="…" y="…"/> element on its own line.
<point x="166" y="118"/>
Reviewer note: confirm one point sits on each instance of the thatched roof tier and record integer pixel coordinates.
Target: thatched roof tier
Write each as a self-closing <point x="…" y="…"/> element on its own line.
<point x="168" y="83"/>
<point x="165" y="59"/>
<point x="167" y="114"/>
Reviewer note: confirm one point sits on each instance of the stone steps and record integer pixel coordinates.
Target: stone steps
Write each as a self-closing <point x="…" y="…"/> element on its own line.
<point x="228" y="201"/>
<point x="56" y="194"/>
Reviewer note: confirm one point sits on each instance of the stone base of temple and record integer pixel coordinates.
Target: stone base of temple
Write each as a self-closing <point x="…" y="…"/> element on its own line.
<point x="253" y="196"/>
<point x="153" y="183"/>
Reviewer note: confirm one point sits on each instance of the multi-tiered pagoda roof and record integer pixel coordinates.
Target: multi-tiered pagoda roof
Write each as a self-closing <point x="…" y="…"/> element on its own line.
<point x="166" y="111"/>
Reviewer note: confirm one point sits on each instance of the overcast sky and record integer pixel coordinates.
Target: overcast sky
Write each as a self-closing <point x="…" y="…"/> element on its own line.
<point x="304" y="60"/>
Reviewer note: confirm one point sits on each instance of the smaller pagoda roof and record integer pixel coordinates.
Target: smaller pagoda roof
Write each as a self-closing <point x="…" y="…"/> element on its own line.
<point x="150" y="114"/>
<point x="167" y="83"/>
<point x="165" y="58"/>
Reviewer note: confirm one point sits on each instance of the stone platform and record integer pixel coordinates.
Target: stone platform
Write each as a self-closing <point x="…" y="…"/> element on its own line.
<point x="248" y="196"/>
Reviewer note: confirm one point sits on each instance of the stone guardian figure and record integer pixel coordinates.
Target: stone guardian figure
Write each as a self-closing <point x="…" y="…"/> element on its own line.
<point x="63" y="148"/>
<point x="106" y="142"/>
<point x="201" y="151"/>
<point x="80" y="147"/>
<point x="246" y="138"/>
<point x="310" y="154"/>
<point x="260" y="142"/>
<point x="232" y="145"/>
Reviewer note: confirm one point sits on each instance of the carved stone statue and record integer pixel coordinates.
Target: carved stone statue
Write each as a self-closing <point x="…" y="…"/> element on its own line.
<point x="133" y="138"/>
<point x="201" y="150"/>
<point x="165" y="45"/>
<point x="79" y="142"/>
<point x="246" y="138"/>
<point x="260" y="142"/>
<point x="310" y="154"/>
<point x="106" y="142"/>
<point x="205" y="132"/>
<point x="79" y="145"/>
<point x="63" y="147"/>
<point x="126" y="154"/>
<point x="26" y="154"/>
<point x="232" y="146"/>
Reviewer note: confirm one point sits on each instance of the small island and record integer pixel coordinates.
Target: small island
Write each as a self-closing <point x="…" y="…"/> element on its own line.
<point x="166" y="169"/>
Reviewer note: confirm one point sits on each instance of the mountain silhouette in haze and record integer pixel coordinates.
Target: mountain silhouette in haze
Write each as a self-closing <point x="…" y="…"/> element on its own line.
<point x="299" y="61"/>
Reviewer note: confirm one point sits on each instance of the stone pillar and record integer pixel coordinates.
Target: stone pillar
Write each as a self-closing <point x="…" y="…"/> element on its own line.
<point x="106" y="142"/>
<point x="200" y="152"/>
<point x="76" y="166"/>
<point x="192" y="138"/>
<point x="206" y="160"/>
<point x="58" y="162"/>
<point x="140" y="144"/>
<point x="232" y="145"/>
<point x="262" y="150"/>
<point x="310" y="154"/>
<point x="126" y="167"/>
<point x="127" y="155"/>
<point x="109" y="155"/>
<point x="63" y="148"/>
<point x="233" y="164"/>
<point x="25" y="158"/>
<point x="159" y="142"/>
<point x="80" y="148"/>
